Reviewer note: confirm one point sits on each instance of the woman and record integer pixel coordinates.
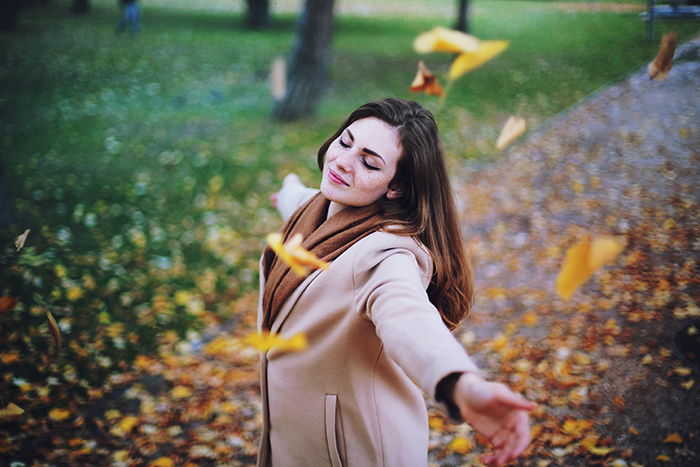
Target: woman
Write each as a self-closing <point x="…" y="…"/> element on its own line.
<point x="378" y="319"/>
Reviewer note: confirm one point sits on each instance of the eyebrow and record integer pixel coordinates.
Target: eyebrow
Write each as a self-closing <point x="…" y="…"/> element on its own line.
<point x="367" y="150"/>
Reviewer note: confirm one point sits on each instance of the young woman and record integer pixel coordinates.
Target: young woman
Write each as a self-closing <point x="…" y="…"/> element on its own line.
<point x="378" y="320"/>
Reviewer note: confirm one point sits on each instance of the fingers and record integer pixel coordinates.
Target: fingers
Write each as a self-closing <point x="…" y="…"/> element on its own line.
<point x="274" y="197"/>
<point x="508" y="397"/>
<point x="510" y="442"/>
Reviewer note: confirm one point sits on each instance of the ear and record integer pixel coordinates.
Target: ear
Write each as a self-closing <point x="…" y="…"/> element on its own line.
<point x="394" y="194"/>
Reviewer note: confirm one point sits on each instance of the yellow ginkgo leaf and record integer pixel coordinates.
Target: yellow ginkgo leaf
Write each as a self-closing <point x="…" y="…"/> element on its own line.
<point x="583" y="259"/>
<point x="440" y="39"/>
<point x="12" y="410"/>
<point x="295" y="255"/>
<point x="266" y="341"/>
<point x="58" y="415"/>
<point x="514" y="127"/>
<point x="468" y="61"/>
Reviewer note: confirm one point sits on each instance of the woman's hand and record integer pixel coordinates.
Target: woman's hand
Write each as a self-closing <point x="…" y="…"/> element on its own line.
<point x="497" y="413"/>
<point x="289" y="179"/>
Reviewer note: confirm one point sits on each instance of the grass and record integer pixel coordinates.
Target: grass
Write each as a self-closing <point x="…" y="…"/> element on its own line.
<point x="143" y="164"/>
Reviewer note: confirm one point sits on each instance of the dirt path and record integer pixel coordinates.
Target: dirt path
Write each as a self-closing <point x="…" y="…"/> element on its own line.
<point x="623" y="352"/>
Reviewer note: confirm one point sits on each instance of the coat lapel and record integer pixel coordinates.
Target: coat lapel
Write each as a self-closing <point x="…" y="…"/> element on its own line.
<point x="291" y="301"/>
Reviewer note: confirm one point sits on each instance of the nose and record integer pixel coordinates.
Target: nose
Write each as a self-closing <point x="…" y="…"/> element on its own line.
<point x="344" y="161"/>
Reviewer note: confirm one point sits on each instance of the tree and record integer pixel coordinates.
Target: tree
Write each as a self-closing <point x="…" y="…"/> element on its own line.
<point x="463" y="16"/>
<point x="308" y="68"/>
<point x="258" y="14"/>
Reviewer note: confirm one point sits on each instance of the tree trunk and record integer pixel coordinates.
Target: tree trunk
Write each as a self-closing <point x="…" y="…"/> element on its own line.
<point x="308" y="70"/>
<point x="463" y="16"/>
<point x="80" y="7"/>
<point x="258" y="14"/>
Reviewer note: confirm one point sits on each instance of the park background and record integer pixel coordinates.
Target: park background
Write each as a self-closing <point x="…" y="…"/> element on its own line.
<point x="142" y="164"/>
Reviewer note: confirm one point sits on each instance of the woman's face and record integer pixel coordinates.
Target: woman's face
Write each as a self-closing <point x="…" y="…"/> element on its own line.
<point x="361" y="162"/>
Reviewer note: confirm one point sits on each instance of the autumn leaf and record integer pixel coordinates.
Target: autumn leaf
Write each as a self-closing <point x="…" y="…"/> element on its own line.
<point x="658" y="69"/>
<point x="673" y="438"/>
<point x="55" y="331"/>
<point x="514" y="127"/>
<point x="663" y="458"/>
<point x="426" y="81"/>
<point x="7" y="304"/>
<point x="162" y="462"/>
<point x="576" y="427"/>
<point x="266" y="341"/>
<point x="19" y="243"/>
<point x="583" y="259"/>
<point x="292" y="253"/>
<point x="58" y="415"/>
<point x="460" y="444"/>
<point x="12" y="410"/>
<point x="467" y="61"/>
<point x="440" y="39"/>
<point x="590" y="444"/>
<point x="181" y="392"/>
<point x="128" y="423"/>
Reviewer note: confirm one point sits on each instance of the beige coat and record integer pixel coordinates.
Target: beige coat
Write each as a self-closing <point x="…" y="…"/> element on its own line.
<point x="354" y="398"/>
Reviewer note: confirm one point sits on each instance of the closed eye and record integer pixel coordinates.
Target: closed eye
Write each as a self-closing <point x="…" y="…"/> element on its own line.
<point x="342" y="143"/>
<point x="370" y="167"/>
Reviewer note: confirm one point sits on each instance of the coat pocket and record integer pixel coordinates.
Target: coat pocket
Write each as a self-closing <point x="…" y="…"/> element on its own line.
<point x="334" y="430"/>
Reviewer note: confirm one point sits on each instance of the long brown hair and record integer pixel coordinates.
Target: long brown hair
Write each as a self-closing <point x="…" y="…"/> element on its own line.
<point x="426" y="208"/>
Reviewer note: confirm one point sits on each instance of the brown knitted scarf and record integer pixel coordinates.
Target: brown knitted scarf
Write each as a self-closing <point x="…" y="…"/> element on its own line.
<point x="327" y="239"/>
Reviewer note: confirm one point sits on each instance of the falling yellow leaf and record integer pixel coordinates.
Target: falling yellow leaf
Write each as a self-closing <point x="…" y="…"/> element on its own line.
<point x="673" y="438"/>
<point x="425" y="81"/>
<point x="266" y="341"/>
<point x="514" y="127"/>
<point x="19" y="243"/>
<point x="12" y="410"/>
<point x="468" y="61"/>
<point x="162" y="462"/>
<point x="58" y="415"/>
<point x="658" y="69"/>
<point x="181" y="392"/>
<point x="440" y="39"/>
<point x="460" y="444"/>
<point x="295" y="255"/>
<point x="583" y="259"/>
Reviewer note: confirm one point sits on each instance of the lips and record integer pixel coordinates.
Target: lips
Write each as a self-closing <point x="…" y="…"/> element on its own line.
<point x="335" y="178"/>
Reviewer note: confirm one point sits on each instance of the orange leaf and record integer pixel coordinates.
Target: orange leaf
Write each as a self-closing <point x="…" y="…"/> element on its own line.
<point x="460" y="444"/>
<point x="7" y="304"/>
<point x="673" y="438"/>
<point x="162" y="462"/>
<point x="425" y="81"/>
<point x="658" y="69"/>
<point x="663" y="458"/>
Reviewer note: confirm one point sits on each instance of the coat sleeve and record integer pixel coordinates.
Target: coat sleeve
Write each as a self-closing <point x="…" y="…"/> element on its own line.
<point x="390" y="289"/>
<point x="291" y="197"/>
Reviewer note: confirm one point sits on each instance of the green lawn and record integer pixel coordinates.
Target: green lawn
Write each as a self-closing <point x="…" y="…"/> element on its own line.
<point x="143" y="164"/>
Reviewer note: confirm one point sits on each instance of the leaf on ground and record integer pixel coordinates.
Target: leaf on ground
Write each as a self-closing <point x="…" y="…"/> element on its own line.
<point x="460" y="444"/>
<point x="673" y="438"/>
<point x="58" y="415"/>
<point x="12" y="410"/>
<point x="7" y="304"/>
<point x="181" y="392"/>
